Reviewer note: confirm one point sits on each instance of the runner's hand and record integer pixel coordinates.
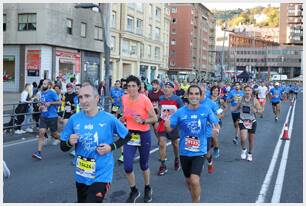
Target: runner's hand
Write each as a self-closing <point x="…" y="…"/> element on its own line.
<point x="74" y="139"/>
<point x="102" y="149"/>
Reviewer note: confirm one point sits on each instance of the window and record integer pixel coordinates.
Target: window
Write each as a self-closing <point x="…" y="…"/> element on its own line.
<point x="173" y="20"/>
<point x="173" y="10"/>
<point x="173" y="42"/>
<point x="150" y="30"/>
<point x="4" y="22"/>
<point x="157" y="52"/>
<point x="114" y="43"/>
<point x="113" y="21"/>
<point x="173" y="53"/>
<point x="139" y="25"/>
<point x="69" y="26"/>
<point x="125" y="47"/>
<point x="157" y="33"/>
<point x="26" y="22"/>
<point x="149" y="51"/>
<point x="98" y="33"/>
<point x="141" y="50"/>
<point x="172" y="63"/>
<point x="150" y="11"/>
<point x="157" y="13"/>
<point x="133" y="48"/>
<point x="130" y="24"/>
<point x="83" y="29"/>
<point x="173" y="31"/>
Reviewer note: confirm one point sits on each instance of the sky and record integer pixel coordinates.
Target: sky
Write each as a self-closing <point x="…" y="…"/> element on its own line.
<point x="229" y="6"/>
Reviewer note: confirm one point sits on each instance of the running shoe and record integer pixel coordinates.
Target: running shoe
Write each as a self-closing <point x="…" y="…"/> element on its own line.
<point x="120" y="158"/>
<point x="133" y="196"/>
<point x="216" y="153"/>
<point x="29" y="129"/>
<point x="162" y="170"/>
<point x="210" y="168"/>
<point x="250" y="157"/>
<point x="243" y="154"/>
<point x="147" y="194"/>
<point x="177" y="164"/>
<point x="37" y="155"/>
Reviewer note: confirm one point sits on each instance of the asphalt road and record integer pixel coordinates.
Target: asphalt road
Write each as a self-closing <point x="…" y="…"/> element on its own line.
<point x="234" y="180"/>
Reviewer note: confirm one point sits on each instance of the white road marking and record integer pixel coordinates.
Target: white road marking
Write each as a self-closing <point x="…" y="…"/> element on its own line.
<point x="19" y="142"/>
<point x="153" y="150"/>
<point x="282" y="168"/>
<point x="265" y="185"/>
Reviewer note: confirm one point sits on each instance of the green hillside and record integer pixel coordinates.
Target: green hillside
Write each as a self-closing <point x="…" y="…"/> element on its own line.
<point x="246" y="17"/>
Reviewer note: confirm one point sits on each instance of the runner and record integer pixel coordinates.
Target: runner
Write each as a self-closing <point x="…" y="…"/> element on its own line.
<point x="262" y="95"/>
<point x="191" y="121"/>
<point x="248" y="107"/>
<point x="69" y="98"/>
<point x="92" y="131"/>
<point x="48" y="117"/>
<point x="275" y="97"/>
<point x="138" y="113"/>
<point x="222" y="108"/>
<point x="233" y="98"/>
<point x="169" y="103"/>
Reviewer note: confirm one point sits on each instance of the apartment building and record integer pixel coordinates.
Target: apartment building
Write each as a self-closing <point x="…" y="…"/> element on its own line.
<point x="291" y="24"/>
<point x="191" y="40"/>
<point x="46" y="40"/>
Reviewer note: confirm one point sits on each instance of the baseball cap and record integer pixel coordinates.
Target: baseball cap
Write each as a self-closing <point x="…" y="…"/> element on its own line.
<point x="276" y="83"/>
<point x="169" y="84"/>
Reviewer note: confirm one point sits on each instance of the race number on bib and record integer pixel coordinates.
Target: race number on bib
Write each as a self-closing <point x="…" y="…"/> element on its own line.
<point x="86" y="167"/>
<point x="192" y="144"/>
<point x="135" y="140"/>
<point x="247" y="123"/>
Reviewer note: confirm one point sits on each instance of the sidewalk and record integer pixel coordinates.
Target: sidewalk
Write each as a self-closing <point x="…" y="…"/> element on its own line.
<point x="11" y="97"/>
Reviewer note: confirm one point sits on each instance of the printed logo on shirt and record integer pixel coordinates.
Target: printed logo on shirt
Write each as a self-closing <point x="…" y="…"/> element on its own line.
<point x="194" y="126"/>
<point x="88" y="126"/>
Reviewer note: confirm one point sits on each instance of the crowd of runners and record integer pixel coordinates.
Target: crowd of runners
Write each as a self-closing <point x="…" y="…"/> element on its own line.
<point x="188" y="114"/>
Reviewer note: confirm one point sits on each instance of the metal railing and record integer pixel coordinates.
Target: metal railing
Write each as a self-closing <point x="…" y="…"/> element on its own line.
<point x="10" y="116"/>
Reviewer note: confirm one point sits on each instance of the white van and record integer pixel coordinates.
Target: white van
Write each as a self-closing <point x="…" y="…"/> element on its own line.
<point x="277" y="77"/>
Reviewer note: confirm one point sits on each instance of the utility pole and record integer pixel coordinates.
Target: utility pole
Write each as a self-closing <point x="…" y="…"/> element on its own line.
<point x="222" y="54"/>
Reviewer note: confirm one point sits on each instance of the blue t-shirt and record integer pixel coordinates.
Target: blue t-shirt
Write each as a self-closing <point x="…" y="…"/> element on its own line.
<point x="49" y="96"/>
<point x="236" y="96"/>
<point x="116" y="94"/>
<point x="276" y="94"/>
<point x="214" y="107"/>
<point x="192" y="129"/>
<point x="94" y="131"/>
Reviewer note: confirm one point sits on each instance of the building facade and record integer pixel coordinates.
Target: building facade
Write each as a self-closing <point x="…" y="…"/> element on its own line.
<point x="291" y="24"/>
<point x="48" y="40"/>
<point x="192" y="31"/>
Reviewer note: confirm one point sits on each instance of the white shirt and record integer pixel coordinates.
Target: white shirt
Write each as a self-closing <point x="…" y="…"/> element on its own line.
<point x="24" y="95"/>
<point x="262" y="92"/>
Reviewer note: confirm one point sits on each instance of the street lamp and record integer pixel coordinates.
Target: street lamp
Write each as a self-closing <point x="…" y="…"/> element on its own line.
<point x="104" y="9"/>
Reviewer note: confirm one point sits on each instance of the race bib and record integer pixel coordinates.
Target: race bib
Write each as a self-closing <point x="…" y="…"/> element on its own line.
<point x="115" y="108"/>
<point x="68" y="108"/>
<point x="246" y="109"/>
<point x="247" y="123"/>
<point x="135" y="140"/>
<point x="237" y="98"/>
<point x="192" y="144"/>
<point x="86" y="167"/>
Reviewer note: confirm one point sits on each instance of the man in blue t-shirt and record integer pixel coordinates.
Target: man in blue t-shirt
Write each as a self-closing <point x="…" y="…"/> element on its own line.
<point x="116" y="95"/>
<point x="276" y="98"/>
<point x="233" y="98"/>
<point x="191" y="121"/>
<point x="92" y="132"/>
<point x="49" y="102"/>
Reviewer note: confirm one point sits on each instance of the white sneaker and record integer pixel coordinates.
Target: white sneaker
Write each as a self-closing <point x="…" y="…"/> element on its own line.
<point x="22" y="131"/>
<point x="18" y="132"/>
<point x="250" y="157"/>
<point x="55" y="142"/>
<point x="29" y="129"/>
<point x="243" y="154"/>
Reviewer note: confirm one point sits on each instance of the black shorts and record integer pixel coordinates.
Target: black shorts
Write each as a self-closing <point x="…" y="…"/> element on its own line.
<point x="173" y="135"/>
<point x="251" y="131"/>
<point x="94" y="193"/>
<point x="235" y="116"/>
<point x="48" y="123"/>
<point x="275" y="104"/>
<point x="192" y="165"/>
<point x="67" y="115"/>
<point x="60" y="114"/>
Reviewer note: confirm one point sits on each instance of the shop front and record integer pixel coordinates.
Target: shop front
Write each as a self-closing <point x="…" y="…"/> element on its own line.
<point x="68" y="63"/>
<point x="11" y="72"/>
